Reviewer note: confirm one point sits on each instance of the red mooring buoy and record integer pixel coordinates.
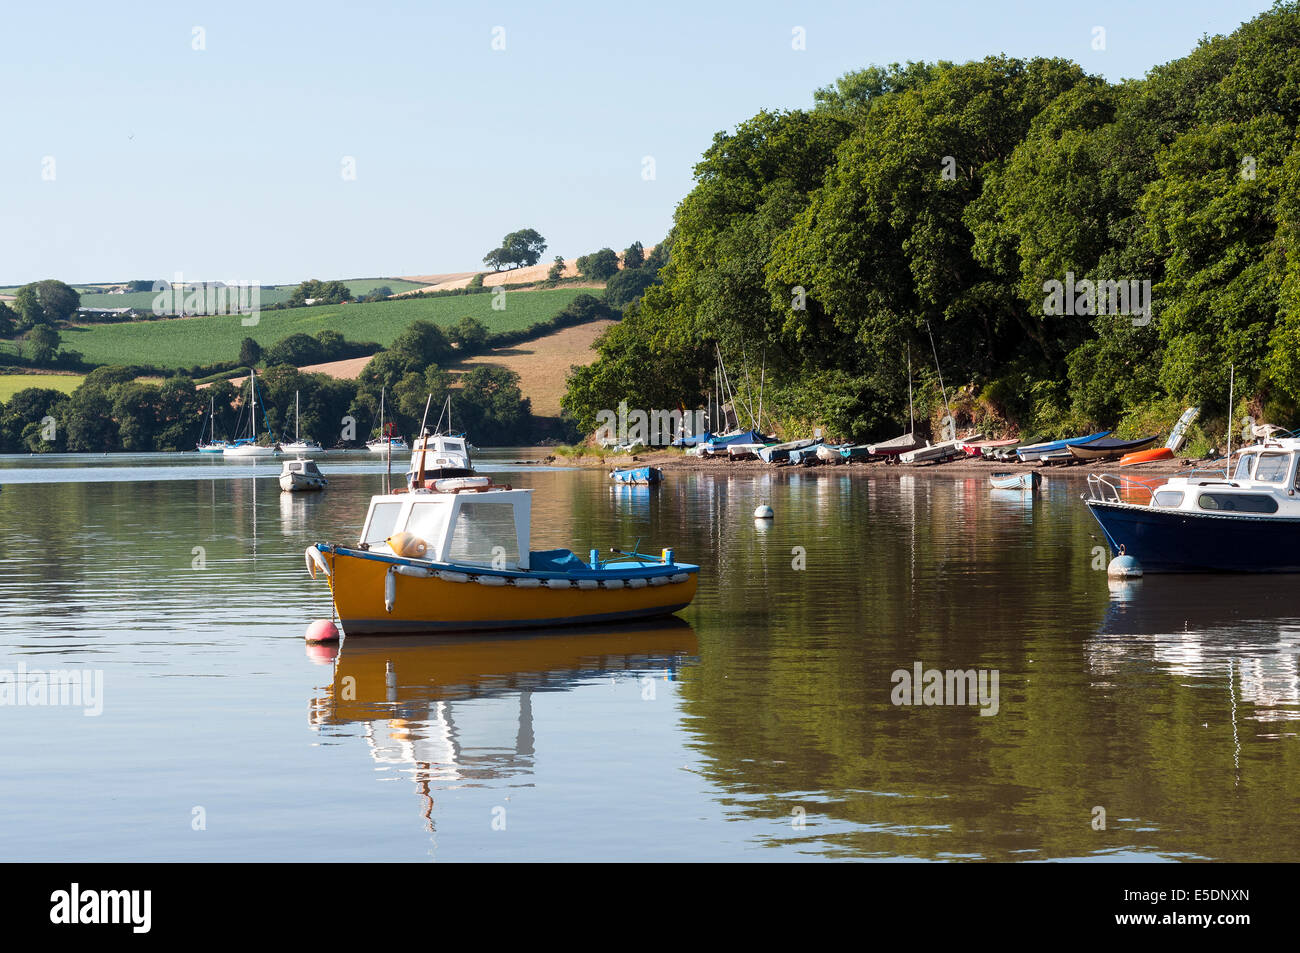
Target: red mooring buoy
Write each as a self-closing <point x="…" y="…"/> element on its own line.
<point x="322" y="630"/>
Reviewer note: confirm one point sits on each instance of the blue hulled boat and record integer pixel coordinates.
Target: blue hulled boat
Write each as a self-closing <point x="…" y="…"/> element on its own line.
<point x="1038" y="451"/>
<point x="1246" y="522"/>
<point x="646" y="476"/>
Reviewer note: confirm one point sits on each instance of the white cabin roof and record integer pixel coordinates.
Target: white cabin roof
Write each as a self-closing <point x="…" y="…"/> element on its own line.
<point x="459" y="527"/>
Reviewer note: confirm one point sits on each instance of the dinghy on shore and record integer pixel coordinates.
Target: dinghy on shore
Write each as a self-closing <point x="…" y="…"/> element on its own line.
<point x="1108" y="448"/>
<point x="1037" y="451"/>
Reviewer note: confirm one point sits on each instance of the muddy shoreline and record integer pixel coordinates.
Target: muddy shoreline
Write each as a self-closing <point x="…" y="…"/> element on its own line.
<point x="962" y="466"/>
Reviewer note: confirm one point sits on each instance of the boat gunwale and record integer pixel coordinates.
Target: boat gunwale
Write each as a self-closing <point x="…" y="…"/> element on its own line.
<point x="1193" y="514"/>
<point x="644" y="571"/>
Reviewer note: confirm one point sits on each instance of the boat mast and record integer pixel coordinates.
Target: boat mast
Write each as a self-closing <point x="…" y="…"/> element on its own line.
<point x="252" y="397"/>
<point x="946" y="409"/>
<point x="911" y="414"/>
<point x="1227" y="463"/>
<point x="297" y="415"/>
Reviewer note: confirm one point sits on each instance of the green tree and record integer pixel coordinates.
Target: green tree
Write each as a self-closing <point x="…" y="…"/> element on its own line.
<point x="333" y="345"/>
<point x="296" y="349"/>
<point x="469" y="334"/>
<point x="599" y="265"/>
<point x="8" y="320"/>
<point x="556" y="271"/>
<point x="27" y="304"/>
<point x="46" y="302"/>
<point x="628" y="286"/>
<point x="43" y="341"/>
<point x="25" y="414"/>
<point x="634" y="256"/>
<point x="250" y="352"/>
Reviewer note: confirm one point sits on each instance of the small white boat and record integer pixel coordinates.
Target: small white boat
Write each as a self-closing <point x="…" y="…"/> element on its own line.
<point x="301" y="474"/>
<point x="246" y="448"/>
<point x="386" y="442"/>
<point x="213" y="445"/>
<point x="299" y="445"/>
<point x="934" y="452"/>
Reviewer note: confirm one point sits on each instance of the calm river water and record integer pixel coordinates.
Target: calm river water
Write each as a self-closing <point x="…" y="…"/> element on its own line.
<point x="758" y="726"/>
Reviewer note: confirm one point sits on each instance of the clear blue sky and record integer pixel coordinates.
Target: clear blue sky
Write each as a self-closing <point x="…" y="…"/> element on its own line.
<point x="225" y="163"/>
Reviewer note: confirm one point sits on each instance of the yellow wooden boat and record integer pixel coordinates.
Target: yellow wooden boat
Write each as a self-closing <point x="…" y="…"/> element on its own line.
<point x="452" y="555"/>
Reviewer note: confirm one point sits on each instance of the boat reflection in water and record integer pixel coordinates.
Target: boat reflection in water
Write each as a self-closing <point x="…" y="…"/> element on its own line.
<point x="447" y="712"/>
<point x="1246" y="628"/>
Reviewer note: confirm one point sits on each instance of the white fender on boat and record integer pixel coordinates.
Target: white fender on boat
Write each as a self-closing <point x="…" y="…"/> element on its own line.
<point x="390" y="589"/>
<point x="453" y="576"/>
<point x="679" y="577"/>
<point x="557" y="584"/>
<point x="418" y="572"/>
<point x="316" y="561"/>
<point x="659" y="581"/>
<point x="490" y="580"/>
<point x="587" y="584"/>
<point x="636" y="583"/>
<point x="612" y="583"/>
<point x="527" y="583"/>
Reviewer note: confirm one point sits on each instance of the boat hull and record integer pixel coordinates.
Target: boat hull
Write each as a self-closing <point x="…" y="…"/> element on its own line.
<point x="1180" y="541"/>
<point x="1054" y="448"/>
<point x="433" y="604"/>
<point x="1015" y="481"/>
<point x="297" y="483"/>
<point x="1109" y="449"/>
<point x="637" y="475"/>
<point x="248" y="451"/>
<point x="1145" y="456"/>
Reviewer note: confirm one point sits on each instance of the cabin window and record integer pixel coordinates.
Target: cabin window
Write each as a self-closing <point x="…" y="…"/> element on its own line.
<point x="429" y="522"/>
<point x="1170" y="498"/>
<point x="382" y="520"/>
<point x="1243" y="467"/>
<point x="480" y="529"/>
<point x="1238" y="502"/>
<point x="1272" y="467"/>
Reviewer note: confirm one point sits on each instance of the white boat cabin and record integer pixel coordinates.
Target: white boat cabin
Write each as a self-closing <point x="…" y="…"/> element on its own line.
<point x="304" y="467"/>
<point x="463" y="521"/>
<point x="440" y="451"/>
<point x="1264" y="482"/>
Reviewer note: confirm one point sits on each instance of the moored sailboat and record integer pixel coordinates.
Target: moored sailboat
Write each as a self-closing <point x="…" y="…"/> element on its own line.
<point x="299" y="445"/>
<point x="213" y="445"/>
<point x="248" y="446"/>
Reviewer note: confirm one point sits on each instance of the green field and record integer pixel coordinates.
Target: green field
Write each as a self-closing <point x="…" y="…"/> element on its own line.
<point x="271" y="294"/>
<point x="185" y="342"/>
<point x="11" y="384"/>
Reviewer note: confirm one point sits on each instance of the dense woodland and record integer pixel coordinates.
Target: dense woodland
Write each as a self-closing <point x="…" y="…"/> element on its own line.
<point x="940" y="201"/>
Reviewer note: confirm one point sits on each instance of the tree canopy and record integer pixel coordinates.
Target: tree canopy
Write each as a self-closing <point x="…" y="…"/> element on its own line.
<point x="930" y="208"/>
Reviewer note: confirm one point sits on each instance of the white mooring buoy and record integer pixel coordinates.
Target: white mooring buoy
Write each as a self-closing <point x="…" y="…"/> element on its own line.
<point x="1124" y="567"/>
<point x="764" y="512"/>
